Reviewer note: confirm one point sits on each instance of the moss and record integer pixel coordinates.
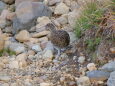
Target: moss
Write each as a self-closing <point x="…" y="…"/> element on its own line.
<point x="7" y="51"/>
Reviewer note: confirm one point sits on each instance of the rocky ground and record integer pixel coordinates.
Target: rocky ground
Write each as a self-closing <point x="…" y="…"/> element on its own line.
<point x="28" y="56"/>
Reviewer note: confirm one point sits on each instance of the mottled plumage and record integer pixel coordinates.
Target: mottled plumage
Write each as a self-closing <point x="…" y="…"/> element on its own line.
<point x="59" y="38"/>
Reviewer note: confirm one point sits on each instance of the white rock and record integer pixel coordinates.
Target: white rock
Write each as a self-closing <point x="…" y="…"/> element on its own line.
<point x="2" y="22"/>
<point x="73" y="37"/>
<point x="46" y="84"/>
<point x="5" y="84"/>
<point x="48" y="54"/>
<point x="14" y="64"/>
<point x="83" y="81"/>
<point x="21" y="57"/>
<point x="61" y="9"/>
<point x="81" y="59"/>
<point x="91" y="67"/>
<point x="52" y="2"/>
<point x="36" y="48"/>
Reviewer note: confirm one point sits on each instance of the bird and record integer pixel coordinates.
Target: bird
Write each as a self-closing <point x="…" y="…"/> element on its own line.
<point x="59" y="38"/>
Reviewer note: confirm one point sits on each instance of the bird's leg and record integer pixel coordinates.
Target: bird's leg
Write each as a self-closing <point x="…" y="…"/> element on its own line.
<point x="59" y="52"/>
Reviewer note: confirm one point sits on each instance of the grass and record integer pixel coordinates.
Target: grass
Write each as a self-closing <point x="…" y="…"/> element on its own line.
<point x="90" y="18"/>
<point x="7" y="51"/>
<point x="92" y="43"/>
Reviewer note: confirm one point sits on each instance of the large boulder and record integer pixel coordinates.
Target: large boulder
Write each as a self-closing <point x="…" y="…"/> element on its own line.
<point x="26" y="14"/>
<point x="17" y="2"/>
<point x="2" y="6"/>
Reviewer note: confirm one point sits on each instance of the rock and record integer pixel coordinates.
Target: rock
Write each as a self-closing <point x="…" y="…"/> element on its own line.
<point x="61" y="9"/>
<point x="13" y="64"/>
<point x="42" y="21"/>
<point x="5" y="78"/>
<point x="83" y="81"/>
<point x="63" y="19"/>
<point x="8" y="29"/>
<point x="9" y="1"/>
<point x="3" y="22"/>
<point x="48" y="51"/>
<point x="53" y="2"/>
<point x="5" y="84"/>
<point x="112" y="50"/>
<point x="2" y="43"/>
<point x="33" y="40"/>
<point x="48" y="54"/>
<point x="111" y="80"/>
<point x="31" y="52"/>
<point x="2" y="6"/>
<point x="27" y="12"/>
<point x="43" y="39"/>
<point x="46" y="84"/>
<point x="91" y="67"/>
<point x="72" y="37"/>
<point x="4" y="14"/>
<point x="23" y="36"/>
<point x="10" y="16"/>
<point x="36" y="48"/>
<point x="98" y="75"/>
<point x="21" y="57"/>
<point x="110" y="67"/>
<point x="17" y="47"/>
<point x="81" y="59"/>
<point x="40" y="34"/>
<point x="17" y="2"/>
<point x="72" y="17"/>
<point x="2" y="65"/>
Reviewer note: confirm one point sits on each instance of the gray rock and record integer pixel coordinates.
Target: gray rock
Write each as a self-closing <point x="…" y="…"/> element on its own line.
<point x="98" y="75"/>
<point x="111" y="80"/>
<point x="3" y="23"/>
<point x="110" y="67"/>
<point x="36" y="48"/>
<point x="26" y="14"/>
<point x="73" y="37"/>
<point x="2" y="6"/>
<point x="53" y="2"/>
<point x="17" y="47"/>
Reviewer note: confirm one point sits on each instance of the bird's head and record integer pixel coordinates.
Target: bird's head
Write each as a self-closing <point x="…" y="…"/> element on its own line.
<point x="50" y="27"/>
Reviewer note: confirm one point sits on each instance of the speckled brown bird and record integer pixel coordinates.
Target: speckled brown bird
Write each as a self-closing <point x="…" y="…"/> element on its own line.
<point x="59" y="38"/>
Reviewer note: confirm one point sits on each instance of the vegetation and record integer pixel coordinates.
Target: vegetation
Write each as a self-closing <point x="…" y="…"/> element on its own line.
<point x="7" y="51"/>
<point x="94" y="16"/>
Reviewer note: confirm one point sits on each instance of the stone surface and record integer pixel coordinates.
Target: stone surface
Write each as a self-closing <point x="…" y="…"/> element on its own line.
<point x="13" y="64"/>
<point x="17" y="2"/>
<point x="36" y="48"/>
<point x="61" y="9"/>
<point x="111" y="80"/>
<point x="40" y="34"/>
<point x="4" y="78"/>
<point x="2" y="43"/>
<point x="81" y="59"/>
<point x="63" y="19"/>
<point x="2" y="6"/>
<point x="53" y="2"/>
<point x="42" y="21"/>
<point x="109" y="66"/>
<point x="9" y="1"/>
<point x="91" y="67"/>
<point x="46" y="84"/>
<point x="83" y="81"/>
<point x="2" y="22"/>
<point x="98" y="75"/>
<point x="72" y="37"/>
<point x="27" y="12"/>
<point x="72" y="17"/>
<point x="23" y="36"/>
<point x="17" y="47"/>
